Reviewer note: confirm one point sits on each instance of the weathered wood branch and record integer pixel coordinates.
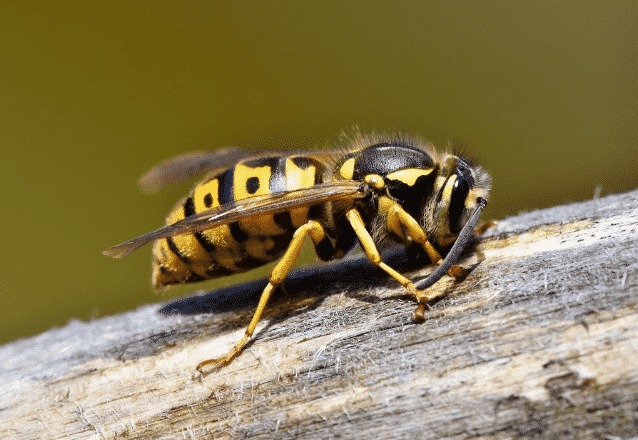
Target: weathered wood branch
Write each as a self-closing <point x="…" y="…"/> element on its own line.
<point x="540" y="340"/>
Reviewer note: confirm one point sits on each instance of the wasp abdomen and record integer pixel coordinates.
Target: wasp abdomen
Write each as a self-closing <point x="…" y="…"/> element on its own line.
<point x="244" y="244"/>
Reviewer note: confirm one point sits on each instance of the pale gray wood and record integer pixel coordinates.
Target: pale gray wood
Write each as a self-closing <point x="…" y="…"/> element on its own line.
<point x="540" y="340"/>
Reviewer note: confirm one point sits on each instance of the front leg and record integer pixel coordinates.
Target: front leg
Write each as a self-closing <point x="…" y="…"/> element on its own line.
<point x="403" y="224"/>
<point x="402" y="221"/>
<point x="374" y="256"/>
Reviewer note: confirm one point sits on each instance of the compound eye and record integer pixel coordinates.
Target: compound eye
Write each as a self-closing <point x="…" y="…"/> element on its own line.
<point x="460" y="192"/>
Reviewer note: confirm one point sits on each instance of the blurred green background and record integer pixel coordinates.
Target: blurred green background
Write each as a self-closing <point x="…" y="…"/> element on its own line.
<point x="93" y="94"/>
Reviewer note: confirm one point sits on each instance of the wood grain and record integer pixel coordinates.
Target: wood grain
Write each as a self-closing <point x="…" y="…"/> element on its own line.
<point x="539" y="340"/>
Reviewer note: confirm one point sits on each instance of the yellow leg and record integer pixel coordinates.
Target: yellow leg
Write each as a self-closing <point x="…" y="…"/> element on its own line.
<point x="277" y="276"/>
<point x="374" y="256"/>
<point x="399" y="219"/>
<point x="372" y="252"/>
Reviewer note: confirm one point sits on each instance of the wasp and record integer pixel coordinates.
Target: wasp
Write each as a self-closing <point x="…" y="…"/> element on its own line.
<point x="253" y="209"/>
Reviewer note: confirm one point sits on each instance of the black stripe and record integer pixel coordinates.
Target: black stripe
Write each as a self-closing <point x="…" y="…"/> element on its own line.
<point x="281" y="244"/>
<point x="174" y="249"/>
<point x="204" y="242"/>
<point x="189" y="207"/>
<point x="302" y="162"/>
<point x="237" y="232"/>
<point x="284" y="220"/>
<point x="263" y="162"/>
<point x="219" y="271"/>
<point x="316" y="212"/>
<point x="247" y="263"/>
<point x="225" y="189"/>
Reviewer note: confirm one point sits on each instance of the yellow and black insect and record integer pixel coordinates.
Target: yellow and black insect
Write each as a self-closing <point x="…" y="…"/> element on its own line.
<point x="254" y="209"/>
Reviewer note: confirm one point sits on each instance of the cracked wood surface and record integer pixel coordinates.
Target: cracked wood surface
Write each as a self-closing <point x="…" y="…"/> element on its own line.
<point x="539" y="340"/>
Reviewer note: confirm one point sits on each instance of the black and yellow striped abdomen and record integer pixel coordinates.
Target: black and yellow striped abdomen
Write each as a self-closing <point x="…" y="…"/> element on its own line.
<point x="241" y="245"/>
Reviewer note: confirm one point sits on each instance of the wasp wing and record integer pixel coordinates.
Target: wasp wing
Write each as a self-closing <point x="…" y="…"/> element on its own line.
<point x="269" y="203"/>
<point x="188" y="165"/>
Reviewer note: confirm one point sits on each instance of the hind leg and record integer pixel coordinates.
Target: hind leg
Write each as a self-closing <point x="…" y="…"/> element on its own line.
<point x="277" y="276"/>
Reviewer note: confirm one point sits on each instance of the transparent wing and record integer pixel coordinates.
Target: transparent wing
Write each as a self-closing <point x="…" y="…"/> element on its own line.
<point x="270" y="203"/>
<point x="188" y="165"/>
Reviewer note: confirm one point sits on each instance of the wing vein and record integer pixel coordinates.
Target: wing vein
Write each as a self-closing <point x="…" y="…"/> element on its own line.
<point x="270" y="203"/>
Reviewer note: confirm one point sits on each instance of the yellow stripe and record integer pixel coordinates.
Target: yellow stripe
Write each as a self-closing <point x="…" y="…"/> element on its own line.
<point x="243" y="173"/>
<point x="299" y="178"/>
<point x="220" y="237"/>
<point x="168" y="259"/>
<point x="262" y="224"/>
<point x="199" y="259"/>
<point x="346" y="170"/>
<point x="207" y="191"/>
<point x="228" y="257"/>
<point x="257" y="247"/>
